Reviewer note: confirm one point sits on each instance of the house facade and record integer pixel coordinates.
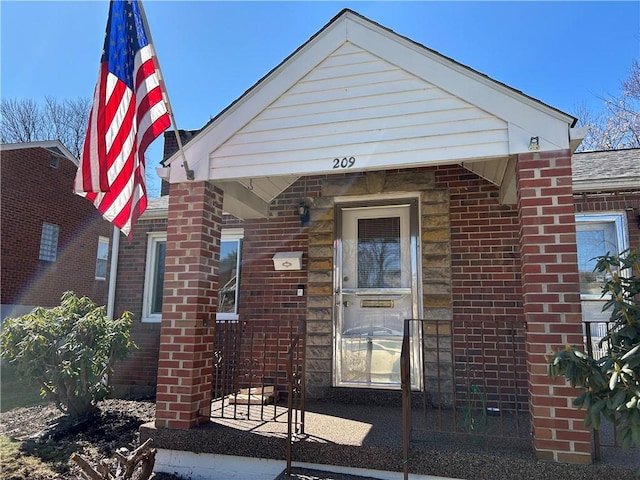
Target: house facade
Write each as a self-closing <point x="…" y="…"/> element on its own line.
<point x="364" y="181"/>
<point x="52" y="240"/>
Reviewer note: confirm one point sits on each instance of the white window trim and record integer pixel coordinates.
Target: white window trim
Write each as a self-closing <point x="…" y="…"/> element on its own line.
<point x="229" y="234"/>
<point x="149" y="273"/>
<point x="104" y="240"/>
<point x="622" y="232"/>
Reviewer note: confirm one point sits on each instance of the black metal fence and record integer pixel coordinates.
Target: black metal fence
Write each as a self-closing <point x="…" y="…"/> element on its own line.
<point x="596" y="346"/>
<point x="259" y="374"/>
<point x="252" y="361"/>
<point x="474" y="384"/>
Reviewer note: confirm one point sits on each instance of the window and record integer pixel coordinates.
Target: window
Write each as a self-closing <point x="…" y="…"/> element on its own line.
<point x="102" y="257"/>
<point x="379" y="252"/>
<point x="49" y="242"/>
<point x="229" y="273"/>
<point x="154" y="277"/>
<point x="597" y="235"/>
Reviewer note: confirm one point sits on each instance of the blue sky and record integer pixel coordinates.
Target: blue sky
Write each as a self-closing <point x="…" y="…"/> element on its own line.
<point x="562" y="53"/>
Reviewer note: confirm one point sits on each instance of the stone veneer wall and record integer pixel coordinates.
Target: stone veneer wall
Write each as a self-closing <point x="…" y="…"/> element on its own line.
<point x="436" y="259"/>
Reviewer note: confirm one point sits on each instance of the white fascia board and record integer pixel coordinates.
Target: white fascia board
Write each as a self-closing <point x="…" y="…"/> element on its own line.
<point x="576" y="135"/>
<point x="519" y="139"/>
<point x="259" y="97"/>
<point x="531" y="116"/>
<point x="46" y="144"/>
<point x="366" y="160"/>
<point x="607" y="185"/>
<point x="155" y="213"/>
<point x="526" y="116"/>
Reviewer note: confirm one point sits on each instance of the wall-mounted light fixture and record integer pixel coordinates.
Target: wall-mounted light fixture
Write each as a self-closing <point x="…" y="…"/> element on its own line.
<point x="303" y="212"/>
<point x="534" y="143"/>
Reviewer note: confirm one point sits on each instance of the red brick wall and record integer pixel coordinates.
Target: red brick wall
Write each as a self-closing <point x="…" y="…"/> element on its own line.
<point x="32" y="192"/>
<point x="486" y="275"/>
<point x="628" y="202"/>
<point x="268" y="298"/>
<point x="266" y="293"/>
<point x="137" y="375"/>
<point x="486" y="269"/>
<point x="185" y="367"/>
<point x="551" y="296"/>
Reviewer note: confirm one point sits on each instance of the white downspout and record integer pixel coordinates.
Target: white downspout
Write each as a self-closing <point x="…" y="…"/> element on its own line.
<point x="113" y="273"/>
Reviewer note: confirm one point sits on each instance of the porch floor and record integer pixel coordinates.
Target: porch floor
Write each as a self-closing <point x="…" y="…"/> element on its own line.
<point x="370" y="437"/>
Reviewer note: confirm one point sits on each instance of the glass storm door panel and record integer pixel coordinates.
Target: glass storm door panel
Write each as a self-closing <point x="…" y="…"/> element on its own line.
<point x="375" y="292"/>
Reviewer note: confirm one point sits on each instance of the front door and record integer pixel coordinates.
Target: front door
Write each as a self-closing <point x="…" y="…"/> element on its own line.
<point x="376" y="289"/>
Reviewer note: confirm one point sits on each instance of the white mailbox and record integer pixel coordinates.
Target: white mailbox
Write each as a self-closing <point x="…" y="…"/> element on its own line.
<point x="287" y="261"/>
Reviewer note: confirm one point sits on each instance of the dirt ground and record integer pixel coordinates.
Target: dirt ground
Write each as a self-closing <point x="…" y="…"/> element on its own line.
<point x="41" y="440"/>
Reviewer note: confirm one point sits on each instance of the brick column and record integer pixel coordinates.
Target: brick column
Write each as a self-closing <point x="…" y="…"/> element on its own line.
<point x="189" y="305"/>
<point x="551" y="297"/>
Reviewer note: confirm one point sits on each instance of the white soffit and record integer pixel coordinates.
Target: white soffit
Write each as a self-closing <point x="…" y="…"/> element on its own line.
<point x="357" y="90"/>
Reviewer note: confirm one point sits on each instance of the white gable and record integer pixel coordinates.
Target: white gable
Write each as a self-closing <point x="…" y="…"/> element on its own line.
<point x="354" y="104"/>
<point x="359" y="92"/>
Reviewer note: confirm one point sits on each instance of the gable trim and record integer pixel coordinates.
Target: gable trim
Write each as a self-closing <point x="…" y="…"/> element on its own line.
<point x="54" y="146"/>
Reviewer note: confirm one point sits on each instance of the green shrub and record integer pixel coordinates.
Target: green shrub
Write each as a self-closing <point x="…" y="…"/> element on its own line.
<point x="611" y="385"/>
<point x="68" y="350"/>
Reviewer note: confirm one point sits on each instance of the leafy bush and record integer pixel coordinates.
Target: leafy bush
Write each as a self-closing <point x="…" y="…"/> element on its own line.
<point x="69" y="350"/>
<point x="611" y="385"/>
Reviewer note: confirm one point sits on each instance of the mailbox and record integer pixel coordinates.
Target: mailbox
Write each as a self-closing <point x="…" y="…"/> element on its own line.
<point x="287" y="261"/>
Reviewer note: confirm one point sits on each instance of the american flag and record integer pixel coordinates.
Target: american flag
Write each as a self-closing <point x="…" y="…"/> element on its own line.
<point x="127" y="114"/>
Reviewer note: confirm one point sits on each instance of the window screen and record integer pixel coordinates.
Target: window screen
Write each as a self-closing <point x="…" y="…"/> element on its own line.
<point x="379" y="252"/>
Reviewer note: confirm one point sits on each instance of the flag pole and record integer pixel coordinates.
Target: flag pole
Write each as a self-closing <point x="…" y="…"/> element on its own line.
<point x="165" y="95"/>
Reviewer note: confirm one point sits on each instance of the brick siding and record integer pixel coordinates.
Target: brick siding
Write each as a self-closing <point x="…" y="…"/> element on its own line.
<point x="473" y="249"/>
<point x="485" y="271"/>
<point x="137" y="375"/>
<point x="601" y="202"/>
<point x="33" y="192"/>
<point x="551" y="296"/>
<point x="185" y="367"/>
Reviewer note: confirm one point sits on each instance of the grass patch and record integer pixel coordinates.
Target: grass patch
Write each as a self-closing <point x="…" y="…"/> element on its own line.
<point x="16" y="391"/>
<point x="18" y="466"/>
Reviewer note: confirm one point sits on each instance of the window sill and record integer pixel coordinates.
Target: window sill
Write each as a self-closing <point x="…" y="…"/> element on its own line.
<point x="153" y="319"/>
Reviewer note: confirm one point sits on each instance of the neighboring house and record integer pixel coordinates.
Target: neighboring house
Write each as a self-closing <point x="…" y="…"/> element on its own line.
<point x="410" y="186"/>
<point x="607" y="202"/>
<point x="52" y="240"/>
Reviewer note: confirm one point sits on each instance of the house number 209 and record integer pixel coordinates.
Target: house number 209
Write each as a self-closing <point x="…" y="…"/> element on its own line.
<point x="346" y="162"/>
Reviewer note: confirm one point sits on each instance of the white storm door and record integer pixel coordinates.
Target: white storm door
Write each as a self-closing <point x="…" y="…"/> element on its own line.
<point x="376" y="290"/>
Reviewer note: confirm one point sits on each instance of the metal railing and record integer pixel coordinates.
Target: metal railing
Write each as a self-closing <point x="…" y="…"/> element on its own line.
<point x="596" y="347"/>
<point x="257" y="364"/>
<point x="296" y="391"/>
<point x="251" y="365"/>
<point x="474" y="383"/>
